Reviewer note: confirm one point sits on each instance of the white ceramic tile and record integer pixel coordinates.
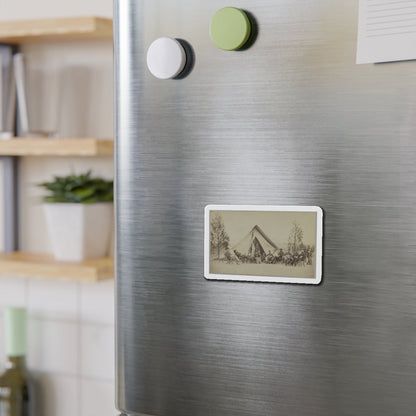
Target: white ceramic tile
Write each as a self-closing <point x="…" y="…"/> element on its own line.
<point x="2" y="343"/>
<point x="97" y="398"/>
<point x="55" y="395"/>
<point x="97" y="302"/>
<point x="52" y="299"/>
<point x="1" y="207"/>
<point x="12" y="292"/>
<point x="53" y="346"/>
<point x="97" y="351"/>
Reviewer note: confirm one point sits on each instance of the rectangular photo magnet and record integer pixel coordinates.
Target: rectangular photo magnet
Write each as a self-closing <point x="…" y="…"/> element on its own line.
<point x="259" y="243"/>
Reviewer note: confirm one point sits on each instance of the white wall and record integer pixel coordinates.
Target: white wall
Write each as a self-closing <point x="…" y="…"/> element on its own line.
<point x="71" y="337"/>
<point x="30" y="9"/>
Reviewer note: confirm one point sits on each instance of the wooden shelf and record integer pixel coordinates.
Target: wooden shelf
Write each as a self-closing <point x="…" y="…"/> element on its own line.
<point x="18" y="146"/>
<point x="44" y="266"/>
<point x="39" y="30"/>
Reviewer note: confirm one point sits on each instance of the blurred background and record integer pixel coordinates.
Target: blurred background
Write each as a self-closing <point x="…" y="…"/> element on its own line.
<point x="70" y="325"/>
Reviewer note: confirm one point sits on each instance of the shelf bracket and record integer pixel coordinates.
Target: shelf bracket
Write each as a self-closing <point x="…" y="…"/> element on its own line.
<point x="10" y="203"/>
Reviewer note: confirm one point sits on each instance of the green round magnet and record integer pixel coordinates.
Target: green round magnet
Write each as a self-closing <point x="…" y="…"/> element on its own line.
<point x="230" y="28"/>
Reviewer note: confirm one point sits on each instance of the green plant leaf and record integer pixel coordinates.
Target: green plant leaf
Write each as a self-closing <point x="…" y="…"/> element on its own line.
<point x="79" y="189"/>
<point x="53" y="199"/>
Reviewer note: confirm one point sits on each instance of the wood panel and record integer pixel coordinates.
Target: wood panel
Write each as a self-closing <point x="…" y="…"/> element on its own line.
<point x="40" y="30"/>
<point x="44" y="266"/>
<point x="56" y="147"/>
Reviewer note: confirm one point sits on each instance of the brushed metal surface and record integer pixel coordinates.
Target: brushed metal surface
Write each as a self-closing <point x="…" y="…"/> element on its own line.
<point x="290" y="121"/>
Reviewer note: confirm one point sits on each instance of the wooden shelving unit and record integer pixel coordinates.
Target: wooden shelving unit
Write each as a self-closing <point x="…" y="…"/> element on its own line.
<point x="63" y="29"/>
<point x="44" y="266"/>
<point x="40" y="265"/>
<point x="56" y="147"/>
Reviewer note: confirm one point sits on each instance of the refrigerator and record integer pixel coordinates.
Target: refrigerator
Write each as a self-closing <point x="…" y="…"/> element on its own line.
<point x="265" y="112"/>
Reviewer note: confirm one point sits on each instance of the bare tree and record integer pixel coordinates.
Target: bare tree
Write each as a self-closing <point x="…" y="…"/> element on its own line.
<point x="219" y="238"/>
<point x="295" y="238"/>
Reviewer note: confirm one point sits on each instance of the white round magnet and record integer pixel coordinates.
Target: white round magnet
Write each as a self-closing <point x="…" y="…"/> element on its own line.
<point x="166" y="58"/>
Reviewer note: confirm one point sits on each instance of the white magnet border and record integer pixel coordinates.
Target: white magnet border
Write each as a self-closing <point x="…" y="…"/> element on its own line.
<point x="265" y="279"/>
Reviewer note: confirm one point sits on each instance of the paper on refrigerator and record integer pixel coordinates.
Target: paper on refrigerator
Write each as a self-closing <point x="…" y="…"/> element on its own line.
<point x="386" y="31"/>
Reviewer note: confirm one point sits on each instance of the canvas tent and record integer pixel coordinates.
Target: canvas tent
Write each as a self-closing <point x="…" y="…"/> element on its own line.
<point x="255" y="244"/>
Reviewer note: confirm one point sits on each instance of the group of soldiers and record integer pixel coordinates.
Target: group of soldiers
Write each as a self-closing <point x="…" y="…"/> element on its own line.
<point x="301" y="257"/>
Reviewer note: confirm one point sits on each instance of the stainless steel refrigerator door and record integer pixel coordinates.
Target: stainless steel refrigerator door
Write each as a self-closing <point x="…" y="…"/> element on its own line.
<point x="290" y="121"/>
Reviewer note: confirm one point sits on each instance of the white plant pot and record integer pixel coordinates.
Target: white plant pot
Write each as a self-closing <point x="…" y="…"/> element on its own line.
<point x="79" y="231"/>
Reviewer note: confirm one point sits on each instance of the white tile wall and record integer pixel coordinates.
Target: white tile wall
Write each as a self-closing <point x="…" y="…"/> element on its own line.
<point x="2" y="341"/>
<point x="12" y="292"/>
<point x="93" y="389"/>
<point x="70" y="343"/>
<point x="56" y="395"/>
<point x="49" y="298"/>
<point x="97" y="352"/>
<point x="97" y="303"/>
<point x="1" y="207"/>
<point x="53" y="346"/>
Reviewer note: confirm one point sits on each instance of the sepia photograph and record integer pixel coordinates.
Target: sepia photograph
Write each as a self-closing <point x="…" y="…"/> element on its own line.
<point x="263" y="243"/>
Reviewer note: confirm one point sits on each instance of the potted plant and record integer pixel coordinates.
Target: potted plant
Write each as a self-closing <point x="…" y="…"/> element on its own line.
<point x="79" y="216"/>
